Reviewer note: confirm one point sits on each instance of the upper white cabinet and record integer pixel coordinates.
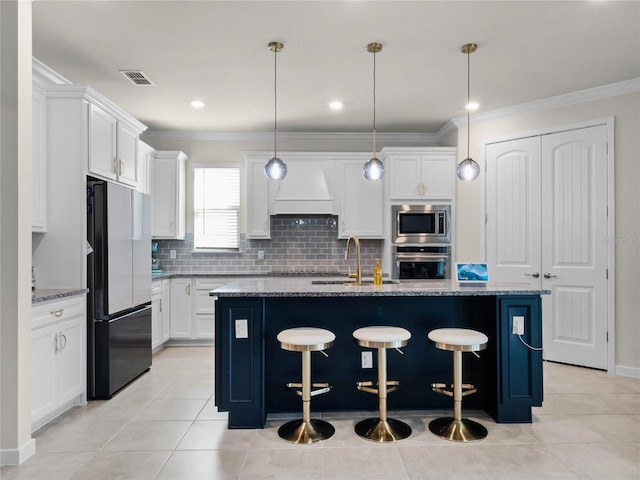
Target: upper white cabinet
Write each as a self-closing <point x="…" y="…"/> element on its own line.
<point x="361" y="202"/>
<point x="257" y="200"/>
<point x="168" y="194"/>
<point x="421" y="174"/>
<point x="145" y="157"/>
<point x="39" y="168"/>
<point x="113" y="148"/>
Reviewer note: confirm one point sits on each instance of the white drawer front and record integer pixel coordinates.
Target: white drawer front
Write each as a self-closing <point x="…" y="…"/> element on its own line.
<point x="57" y="310"/>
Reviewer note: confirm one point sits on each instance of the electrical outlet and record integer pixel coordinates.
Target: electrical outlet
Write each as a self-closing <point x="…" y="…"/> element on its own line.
<point x="172" y="254"/>
<point x="260" y="254"/>
<point x="367" y="359"/>
<point x="242" y="328"/>
<point x="518" y="325"/>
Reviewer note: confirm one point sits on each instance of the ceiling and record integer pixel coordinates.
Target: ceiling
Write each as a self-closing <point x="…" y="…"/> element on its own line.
<point x="216" y="51"/>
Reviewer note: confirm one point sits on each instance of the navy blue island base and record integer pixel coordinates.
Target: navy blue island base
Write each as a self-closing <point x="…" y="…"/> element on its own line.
<point x="251" y="370"/>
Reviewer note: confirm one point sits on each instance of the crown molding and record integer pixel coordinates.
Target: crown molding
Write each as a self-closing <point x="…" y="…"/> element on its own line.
<point x="427" y="138"/>
<point x="581" y="96"/>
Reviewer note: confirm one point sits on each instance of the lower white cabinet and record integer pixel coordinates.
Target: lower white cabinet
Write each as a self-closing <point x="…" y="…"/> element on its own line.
<point x="58" y="358"/>
<point x="160" y="312"/>
<point x="192" y="309"/>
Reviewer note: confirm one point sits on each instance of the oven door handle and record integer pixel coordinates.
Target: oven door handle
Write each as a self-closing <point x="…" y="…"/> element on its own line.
<point x="420" y="258"/>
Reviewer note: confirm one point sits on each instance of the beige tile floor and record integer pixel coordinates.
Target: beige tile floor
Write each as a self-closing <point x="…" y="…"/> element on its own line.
<point x="164" y="426"/>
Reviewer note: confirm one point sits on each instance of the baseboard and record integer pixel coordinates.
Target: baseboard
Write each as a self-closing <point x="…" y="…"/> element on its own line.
<point x="19" y="455"/>
<point x="628" y="371"/>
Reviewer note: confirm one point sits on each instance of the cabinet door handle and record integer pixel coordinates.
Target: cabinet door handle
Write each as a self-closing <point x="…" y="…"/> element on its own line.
<point x="549" y="275"/>
<point x="58" y="313"/>
<point x="115" y="164"/>
<point x="55" y="344"/>
<point x="121" y="167"/>
<point x="160" y="304"/>
<point x="534" y="274"/>
<point x="188" y="289"/>
<point x="63" y="344"/>
<point x="418" y="189"/>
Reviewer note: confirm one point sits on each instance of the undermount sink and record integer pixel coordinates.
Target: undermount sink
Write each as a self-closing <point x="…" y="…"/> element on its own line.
<point x="350" y="283"/>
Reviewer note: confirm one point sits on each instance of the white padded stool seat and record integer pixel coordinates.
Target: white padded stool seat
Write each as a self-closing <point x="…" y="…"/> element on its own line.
<point x="382" y="337"/>
<point x="306" y="339"/>
<point x="458" y="339"/>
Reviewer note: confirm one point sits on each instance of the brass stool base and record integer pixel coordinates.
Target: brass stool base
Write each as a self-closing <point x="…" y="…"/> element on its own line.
<point x="299" y="431"/>
<point x="463" y="430"/>
<point x="377" y="430"/>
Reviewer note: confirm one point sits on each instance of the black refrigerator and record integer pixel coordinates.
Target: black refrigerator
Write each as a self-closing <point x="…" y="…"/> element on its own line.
<point x="119" y="282"/>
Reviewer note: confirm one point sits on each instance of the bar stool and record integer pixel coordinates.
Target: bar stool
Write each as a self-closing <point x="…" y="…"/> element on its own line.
<point x="457" y="340"/>
<point x="382" y="429"/>
<point x="306" y="340"/>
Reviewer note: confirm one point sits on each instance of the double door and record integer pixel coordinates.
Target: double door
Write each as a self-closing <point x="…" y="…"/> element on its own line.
<point x="547" y="226"/>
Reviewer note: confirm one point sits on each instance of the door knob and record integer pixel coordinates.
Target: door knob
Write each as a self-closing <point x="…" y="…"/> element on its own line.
<point x="549" y="275"/>
<point x="534" y="274"/>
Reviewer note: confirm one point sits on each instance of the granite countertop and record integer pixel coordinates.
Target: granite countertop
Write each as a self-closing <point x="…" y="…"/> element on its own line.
<point x="47" y="294"/>
<point x="166" y="275"/>
<point x="297" y="287"/>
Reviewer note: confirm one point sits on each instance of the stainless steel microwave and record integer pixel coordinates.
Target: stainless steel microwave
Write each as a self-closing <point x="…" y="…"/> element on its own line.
<point x="420" y="224"/>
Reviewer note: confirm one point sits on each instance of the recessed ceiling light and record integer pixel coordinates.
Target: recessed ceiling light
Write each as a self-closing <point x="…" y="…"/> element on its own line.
<point x="471" y="106"/>
<point x="197" y="103"/>
<point x="336" y="105"/>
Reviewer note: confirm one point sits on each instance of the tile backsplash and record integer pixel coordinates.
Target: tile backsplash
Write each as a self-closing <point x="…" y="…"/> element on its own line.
<point x="298" y="244"/>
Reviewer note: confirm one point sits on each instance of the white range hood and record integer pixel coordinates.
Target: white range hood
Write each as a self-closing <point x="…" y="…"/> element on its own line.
<point x="306" y="189"/>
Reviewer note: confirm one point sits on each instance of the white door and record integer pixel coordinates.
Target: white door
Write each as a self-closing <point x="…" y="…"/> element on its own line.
<point x="546" y="221"/>
<point x="574" y="260"/>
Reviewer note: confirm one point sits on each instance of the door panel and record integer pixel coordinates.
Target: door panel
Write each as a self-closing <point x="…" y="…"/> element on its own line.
<point x="513" y="210"/>
<point x="547" y="216"/>
<point x="574" y="257"/>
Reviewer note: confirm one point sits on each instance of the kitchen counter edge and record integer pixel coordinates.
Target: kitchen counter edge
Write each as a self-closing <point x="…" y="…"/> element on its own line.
<point x="48" y="294"/>
<point x="294" y="287"/>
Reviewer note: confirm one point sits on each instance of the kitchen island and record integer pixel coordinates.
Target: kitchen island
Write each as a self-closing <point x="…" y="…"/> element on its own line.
<point x="251" y="369"/>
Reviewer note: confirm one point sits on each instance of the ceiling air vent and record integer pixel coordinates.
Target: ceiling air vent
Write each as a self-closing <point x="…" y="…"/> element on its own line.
<point x="137" y="77"/>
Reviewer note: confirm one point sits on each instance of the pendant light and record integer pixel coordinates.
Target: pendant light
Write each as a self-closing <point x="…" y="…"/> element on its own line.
<point x="275" y="169"/>
<point x="468" y="169"/>
<point x="373" y="168"/>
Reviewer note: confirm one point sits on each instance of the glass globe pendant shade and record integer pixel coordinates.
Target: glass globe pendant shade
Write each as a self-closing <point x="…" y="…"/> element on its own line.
<point x="275" y="169"/>
<point x="468" y="169"/>
<point x="373" y="169"/>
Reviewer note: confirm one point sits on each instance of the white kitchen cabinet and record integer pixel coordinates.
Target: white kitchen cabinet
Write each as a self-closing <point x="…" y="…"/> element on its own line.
<point x="181" y="308"/>
<point x="361" y="202"/>
<point x="165" y="313"/>
<point x="156" y="314"/>
<point x="160" y="312"/>
<point x="168" y="194"/>
<point x="204" y="312"/>
<point x="421" y="174"/>
<point x="258" y="222"/>
<point x="58" y="358"/>
<point x="145" y="156"/>
<point x="113" y="148"/>
<point x="38" y="163"/>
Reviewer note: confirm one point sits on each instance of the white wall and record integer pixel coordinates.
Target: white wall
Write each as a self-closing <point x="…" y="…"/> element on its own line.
<point x="626" y="109"/>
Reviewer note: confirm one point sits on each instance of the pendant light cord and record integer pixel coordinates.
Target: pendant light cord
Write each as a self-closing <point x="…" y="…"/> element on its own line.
<point x="468" y="100"/>
<point x="275" y="103"/>
<point x="374" y="105"/>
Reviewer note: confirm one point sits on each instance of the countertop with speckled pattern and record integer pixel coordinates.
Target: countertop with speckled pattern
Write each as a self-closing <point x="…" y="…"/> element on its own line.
<point x="334" y="287"/>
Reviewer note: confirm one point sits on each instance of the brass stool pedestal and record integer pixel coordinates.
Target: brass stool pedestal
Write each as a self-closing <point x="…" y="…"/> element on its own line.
<point x="463" y="430"/>
<point x="378" y="430"/>
<point x="299" y="431"/>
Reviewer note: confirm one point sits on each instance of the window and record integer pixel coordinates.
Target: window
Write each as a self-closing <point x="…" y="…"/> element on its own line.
<point x="216" y="206"/>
